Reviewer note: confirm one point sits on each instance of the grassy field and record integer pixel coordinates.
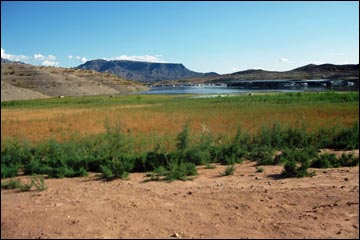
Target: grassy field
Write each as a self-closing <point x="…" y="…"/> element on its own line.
<point x="170" y="135"/>
<point x="151" y="118"/>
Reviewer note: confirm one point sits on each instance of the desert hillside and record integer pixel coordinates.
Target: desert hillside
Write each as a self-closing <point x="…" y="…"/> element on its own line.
<point x="23" y="81"/>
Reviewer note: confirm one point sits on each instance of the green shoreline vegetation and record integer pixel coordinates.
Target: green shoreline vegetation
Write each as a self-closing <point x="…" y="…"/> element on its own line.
<point x="114" y="153"/>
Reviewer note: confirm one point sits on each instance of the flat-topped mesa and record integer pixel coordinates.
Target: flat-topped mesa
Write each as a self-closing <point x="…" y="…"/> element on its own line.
<point x="143" y="71"/>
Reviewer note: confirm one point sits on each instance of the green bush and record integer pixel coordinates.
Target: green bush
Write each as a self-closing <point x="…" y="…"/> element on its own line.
<point x="180" y="170"/>
<point x="11" y="184"/>
<point x="118" y="168"/>
<point x="229" y="170"/>
<point x="297" y="162"/>
<point x="36" y="181"/>
<point x="183" y="138"/>
<point x="263" y="155"/>
<point x="348" y="160"/>
<point x="347" y="138"/>
<point x="325" y="160"/>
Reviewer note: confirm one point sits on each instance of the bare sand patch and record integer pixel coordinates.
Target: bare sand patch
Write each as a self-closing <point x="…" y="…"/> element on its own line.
<point x="248" y="204"/>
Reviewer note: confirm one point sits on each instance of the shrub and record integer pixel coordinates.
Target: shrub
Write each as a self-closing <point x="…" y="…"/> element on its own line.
<point x="330" y="161"/>
<point x="11" y="184"/>
<point x="209" y="166"/>
<point x="183" y="138"/>
<point x="13" y="156"/>
<point x="263" y="155"/>
<point x="37" y="182"/>
<point x="229" y="170"/>
<point x="118" y="167"/>
<point x="297" y="161"/>
<point x="197" y="156"/>
<point x="180" y="170"/>
<point x="176" y="170"/>
<point x="325" y="160"/>
<point x="347" y="138"/>
<point x="348" y="160"/>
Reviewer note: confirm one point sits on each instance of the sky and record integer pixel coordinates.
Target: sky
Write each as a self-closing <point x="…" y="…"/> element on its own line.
<point x="214" y="36"/>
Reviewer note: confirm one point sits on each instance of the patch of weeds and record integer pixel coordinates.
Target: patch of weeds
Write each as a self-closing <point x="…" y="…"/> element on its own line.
<point x="209" y="166"/>
<point x="326" y="160"/>
<point x="229" y="170"/>
<point x="259" y="169"/>
<point x="297" y="162"/>
<point x="36" y="181"/>
<point x="11" y="184"/>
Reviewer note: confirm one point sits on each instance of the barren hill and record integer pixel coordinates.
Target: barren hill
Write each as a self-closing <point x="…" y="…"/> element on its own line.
<point x="23" y="81"/>
<point x="311" y="71"/>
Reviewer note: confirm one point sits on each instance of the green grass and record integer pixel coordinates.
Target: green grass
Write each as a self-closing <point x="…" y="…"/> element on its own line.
<point x="115" y="153"/>
<point x="185" y="101"/>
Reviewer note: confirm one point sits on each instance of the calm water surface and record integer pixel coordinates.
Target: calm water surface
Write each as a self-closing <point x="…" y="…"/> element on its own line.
<point x="224" y="90"/>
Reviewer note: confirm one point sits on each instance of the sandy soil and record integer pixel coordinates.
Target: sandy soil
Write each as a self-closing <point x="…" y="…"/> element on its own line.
<point x="248" y="204"/>
<point x="10" y="92"/>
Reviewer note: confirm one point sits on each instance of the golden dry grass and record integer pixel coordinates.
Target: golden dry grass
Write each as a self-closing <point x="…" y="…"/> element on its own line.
<point x="163" y="120"/>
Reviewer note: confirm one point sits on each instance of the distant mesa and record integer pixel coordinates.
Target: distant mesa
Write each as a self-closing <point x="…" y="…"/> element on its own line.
<point x="144" y="71"/>
<point x="3" y="60"/>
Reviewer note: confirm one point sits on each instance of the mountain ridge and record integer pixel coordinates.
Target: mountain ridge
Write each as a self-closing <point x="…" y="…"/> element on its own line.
<point x="143" y="71"/>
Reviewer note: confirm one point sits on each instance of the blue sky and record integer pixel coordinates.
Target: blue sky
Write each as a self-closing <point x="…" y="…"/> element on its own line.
<point x="205" y="36"/>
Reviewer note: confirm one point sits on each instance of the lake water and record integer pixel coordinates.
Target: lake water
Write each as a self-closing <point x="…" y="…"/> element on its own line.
<point x="219" y="90"/>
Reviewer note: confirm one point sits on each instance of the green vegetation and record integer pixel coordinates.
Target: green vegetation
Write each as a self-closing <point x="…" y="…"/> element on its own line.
<point x="115" y="153"/>
<point x="229" y="170"/>
<point x="36" y="181"/>
<point x="185" y="101"/>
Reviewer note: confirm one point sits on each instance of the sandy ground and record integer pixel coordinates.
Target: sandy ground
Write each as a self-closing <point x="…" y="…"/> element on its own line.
<point x="248" y="204"/>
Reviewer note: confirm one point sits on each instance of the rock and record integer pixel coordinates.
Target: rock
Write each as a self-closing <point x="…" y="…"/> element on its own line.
<point x="175" y="235"/>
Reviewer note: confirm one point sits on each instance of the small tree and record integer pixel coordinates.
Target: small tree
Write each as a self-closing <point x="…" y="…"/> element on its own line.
<point x="183" y="138"/>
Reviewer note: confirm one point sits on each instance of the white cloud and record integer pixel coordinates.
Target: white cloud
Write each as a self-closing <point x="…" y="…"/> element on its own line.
<point x="41" y="57"/>
<point x="50" y="63"/>
<point x="235" y="69"/>
<point x="284" y="60"/>
<point x="70" y="57"/>
<point x="51" y="57"/>
<point x="12" y="57"/>
<point x="77" y="57"/>
<point x="145" y="58"/>
<point x="83" y="60"/>
<point x="38" y="56"/>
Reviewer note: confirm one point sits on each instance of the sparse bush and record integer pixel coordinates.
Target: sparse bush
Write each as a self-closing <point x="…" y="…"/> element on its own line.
<point x="209" y="166"/>
<point x="348" y="160"/>
<point x="183" y="138"/>
<point x="180" y="170"/>
<point x="11" y="184"/>
<point x="297" y="162"/>
<point x="259" y="169"/>
<point x="37" y="182"/>
<point x="229" y="170"/>
<point x="347" y="138"/>
<point x="263" y="155"/>
<point x="325" y="160"/>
